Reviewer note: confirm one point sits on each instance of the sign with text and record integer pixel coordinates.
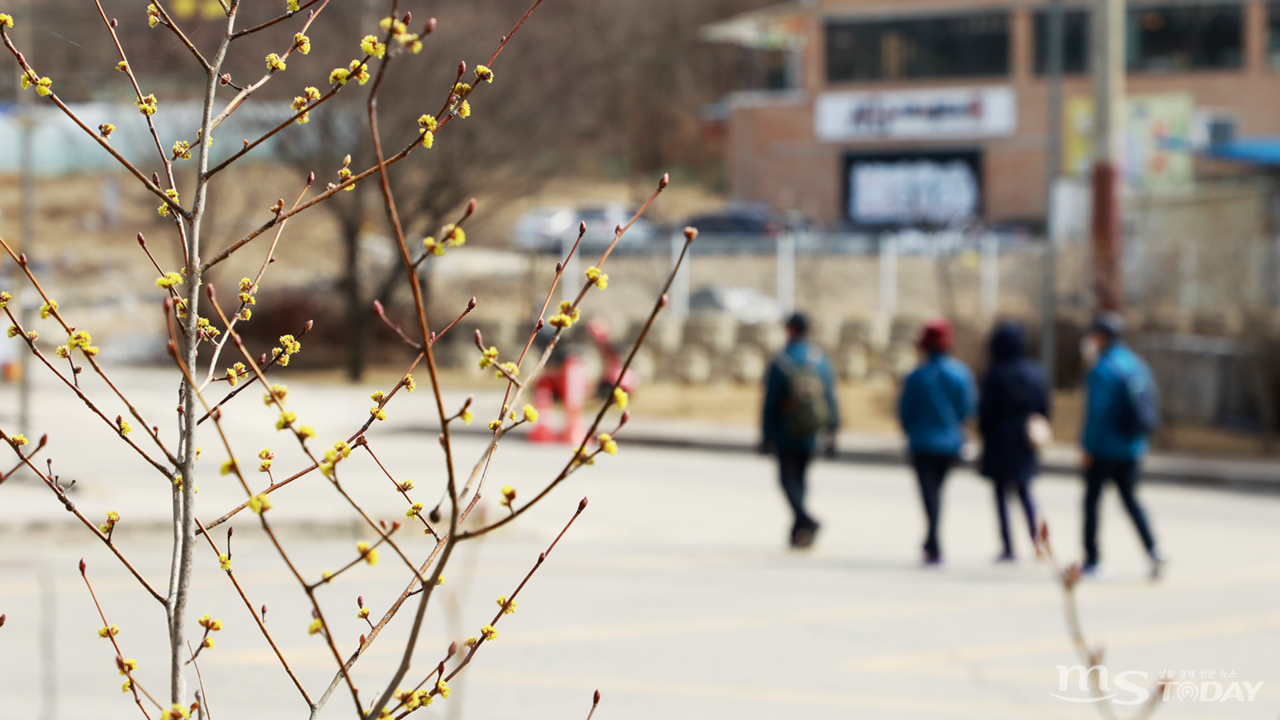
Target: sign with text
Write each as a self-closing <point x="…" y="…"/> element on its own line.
<point x="928" y="113"/>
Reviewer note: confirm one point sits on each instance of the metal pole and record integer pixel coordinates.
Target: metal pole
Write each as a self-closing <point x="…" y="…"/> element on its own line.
<point x="787" y="272"/>
<point x="1053" y="171"/>
<point x="1109" y="79"/>
<point x="989" y="277"/>
<point x="888" y="276"/>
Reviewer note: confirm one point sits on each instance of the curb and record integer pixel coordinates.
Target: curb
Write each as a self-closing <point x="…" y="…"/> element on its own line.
<point x="1234" y="482"/>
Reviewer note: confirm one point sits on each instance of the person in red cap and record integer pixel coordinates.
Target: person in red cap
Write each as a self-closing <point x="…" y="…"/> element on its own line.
<point x="937" y="397"/>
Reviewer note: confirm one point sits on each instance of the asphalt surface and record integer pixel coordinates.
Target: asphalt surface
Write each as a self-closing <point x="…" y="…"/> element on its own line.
<point x="673" y="593"/>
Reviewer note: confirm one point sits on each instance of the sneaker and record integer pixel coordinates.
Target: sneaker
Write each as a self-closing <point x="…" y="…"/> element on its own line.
<point x="1006" y="557"/>
<point x="1157" y="565"/>
<point x="932" y="560"/>
<point x="1092" y="571"/>
<point x="802" y="539"/>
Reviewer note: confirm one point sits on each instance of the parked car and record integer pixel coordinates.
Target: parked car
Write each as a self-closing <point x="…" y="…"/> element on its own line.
<point x="742" y="223"/>
<point x="747" y="305"/>
<point x="549" y="229"/>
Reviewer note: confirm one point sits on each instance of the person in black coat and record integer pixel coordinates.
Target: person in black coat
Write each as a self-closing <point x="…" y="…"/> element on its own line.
<point x="1013" y="388"/>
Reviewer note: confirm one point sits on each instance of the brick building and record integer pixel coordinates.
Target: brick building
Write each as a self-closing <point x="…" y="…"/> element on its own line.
<point x="933" y="112"/>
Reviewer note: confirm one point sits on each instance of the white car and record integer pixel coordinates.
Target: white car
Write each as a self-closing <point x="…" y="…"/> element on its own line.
<point x="549" y="229"/>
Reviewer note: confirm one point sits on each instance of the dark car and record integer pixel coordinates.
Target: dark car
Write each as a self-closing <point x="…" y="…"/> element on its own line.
<point x="743" y="224"/>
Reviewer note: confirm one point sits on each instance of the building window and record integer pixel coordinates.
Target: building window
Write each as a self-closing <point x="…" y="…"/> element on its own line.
<point x="1075" y="41"/>
<point x="1177" y="38"/>
<point x="1273" y="33"/>
<point x="941" y="47"/>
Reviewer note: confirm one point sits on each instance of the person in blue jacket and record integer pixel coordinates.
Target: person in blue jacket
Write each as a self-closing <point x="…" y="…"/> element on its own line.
<point x="1112" y="450"/>
<point x="937" y="397"/>
<point x="1013" y="388"/>
<point x="799" y="405"/>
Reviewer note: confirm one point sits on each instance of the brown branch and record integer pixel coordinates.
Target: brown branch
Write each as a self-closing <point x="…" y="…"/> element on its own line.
<point x="53" y="97"/>
<point x="120" y="660"/>
<point x="249" y="31"/>
<point x="261" y="623"/>
<point x="71" y="508"/>
<point x="690" y="234"/>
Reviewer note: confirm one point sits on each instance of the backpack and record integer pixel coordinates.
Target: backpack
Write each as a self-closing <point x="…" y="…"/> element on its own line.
<point x="804" y="406"/>
<point x="1140" y="408"/>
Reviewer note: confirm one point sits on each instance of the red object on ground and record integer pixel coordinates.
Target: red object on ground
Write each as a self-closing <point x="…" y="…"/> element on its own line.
<point x="568" y="384"/>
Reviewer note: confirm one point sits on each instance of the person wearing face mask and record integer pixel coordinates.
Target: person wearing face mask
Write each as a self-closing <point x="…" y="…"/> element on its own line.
<point x="937" y="397"/>
<point x="1121" y="412"/>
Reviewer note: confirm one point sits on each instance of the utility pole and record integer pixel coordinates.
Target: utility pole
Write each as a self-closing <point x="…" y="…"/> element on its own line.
<point x="1052" y="171"/>
<point x="1108" y="91"/>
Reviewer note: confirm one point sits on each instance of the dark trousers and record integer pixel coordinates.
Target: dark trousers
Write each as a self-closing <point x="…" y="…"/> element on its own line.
<point x="1003" y="487"/>
<point x="931" y="470"/>
<point x="791" y="470"/>
<point x="1125" y="475"/>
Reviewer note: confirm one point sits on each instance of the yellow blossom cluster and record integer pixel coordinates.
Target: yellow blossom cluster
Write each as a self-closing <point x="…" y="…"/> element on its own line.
<point x="340" y="451"/>
<point x="259" y="503"/>
<point x="300" y="103"/>
<point x="453" y="235"/>
<point x="288" y="346"/>
<point x="182" y="150"/>
<point x="302" y="42"/>
<point x="275" y="63"/>
<point x="370" y="45"/>
<point x="147" y="105"/>
<point x="508" y="606"/>
<point x="113" y="517"/>
<point x="608" y="444"/>
<point x="266" y="456"/>
<point x="236" y="373"/>
<point x="275" y="394"/>
<point x="401" y="34"/>
<point x="368" y="553"/>
<point x="597" y="278"/>
<point x="81" y="339"/>
<point x="164" y="207"/>
<point x="566" y="316"/>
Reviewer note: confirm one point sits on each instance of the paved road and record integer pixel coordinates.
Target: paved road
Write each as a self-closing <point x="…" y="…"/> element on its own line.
<point x="673" y="593"/>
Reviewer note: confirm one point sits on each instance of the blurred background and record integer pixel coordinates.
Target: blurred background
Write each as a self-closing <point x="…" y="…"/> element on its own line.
<point x="871" y="168"/>
<point x="870" y="163"/>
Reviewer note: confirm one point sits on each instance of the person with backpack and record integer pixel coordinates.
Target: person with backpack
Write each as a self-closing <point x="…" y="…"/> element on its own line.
<point x="937" y="397"/>
<point x="1013" y="411"/>
<point x="799" y="405"/>
<point x="1122" y="410"/>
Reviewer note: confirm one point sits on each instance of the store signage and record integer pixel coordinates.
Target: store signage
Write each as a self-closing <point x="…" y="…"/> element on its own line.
<point x="927" y="113"/>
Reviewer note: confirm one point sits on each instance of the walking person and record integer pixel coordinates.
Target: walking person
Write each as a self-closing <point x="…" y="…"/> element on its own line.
<point x="1121" y="413"/>
<point x="799" y="406"/>
<point x="1013" y="401"/>
<point x="937" y="397"/>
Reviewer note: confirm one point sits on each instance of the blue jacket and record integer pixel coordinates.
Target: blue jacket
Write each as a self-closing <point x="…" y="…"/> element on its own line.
<point x="1013" y="388"/>
<point x="1106" y="395"/>
<point x="937" y="398"/>
<point x="800" y="352"/>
